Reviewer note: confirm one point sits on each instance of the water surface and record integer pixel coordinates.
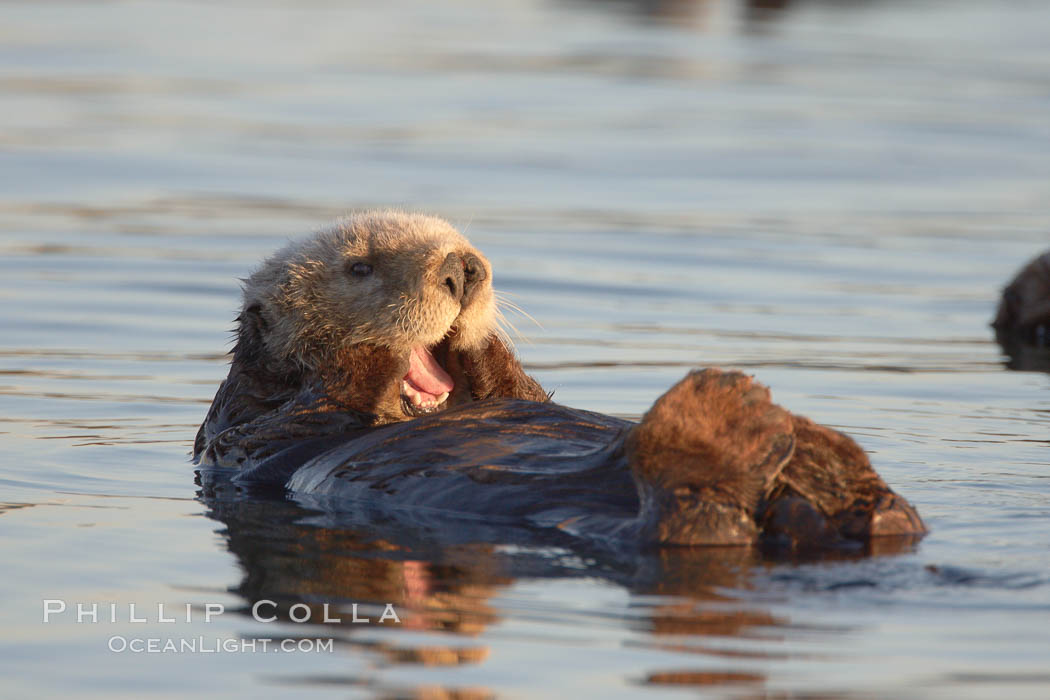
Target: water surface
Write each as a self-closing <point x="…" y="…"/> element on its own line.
<point x="828" y="195"/>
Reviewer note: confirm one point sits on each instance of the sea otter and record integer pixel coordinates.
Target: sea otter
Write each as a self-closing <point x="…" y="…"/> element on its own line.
<point x="369" y="371"/>
<point x="1022" y="322"/>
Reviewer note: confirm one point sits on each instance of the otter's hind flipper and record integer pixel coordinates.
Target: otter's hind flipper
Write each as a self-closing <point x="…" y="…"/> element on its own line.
<point x="704" y="456"/>
<point x="829" y="491"/>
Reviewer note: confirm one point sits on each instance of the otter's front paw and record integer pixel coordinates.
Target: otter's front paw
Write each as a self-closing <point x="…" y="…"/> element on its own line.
<point x="494" y="372"/>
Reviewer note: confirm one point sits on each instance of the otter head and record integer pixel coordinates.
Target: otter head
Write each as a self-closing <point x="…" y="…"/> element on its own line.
<point x="1024" y="311"/>
<point x="384" y="311"/>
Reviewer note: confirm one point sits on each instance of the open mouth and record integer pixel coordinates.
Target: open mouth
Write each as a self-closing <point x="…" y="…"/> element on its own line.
<point x="427" y="386"/>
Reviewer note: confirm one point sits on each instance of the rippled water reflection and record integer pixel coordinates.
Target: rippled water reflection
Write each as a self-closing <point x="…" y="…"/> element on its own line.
<point x="828" y="195"/>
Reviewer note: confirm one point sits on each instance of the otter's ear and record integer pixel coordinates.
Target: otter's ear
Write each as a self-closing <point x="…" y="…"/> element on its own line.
<point x="251" y="325"/>
<point x="494" y="372"/>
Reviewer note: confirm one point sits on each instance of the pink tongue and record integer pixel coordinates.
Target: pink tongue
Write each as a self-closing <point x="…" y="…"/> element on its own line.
<point x="426" y="375"/>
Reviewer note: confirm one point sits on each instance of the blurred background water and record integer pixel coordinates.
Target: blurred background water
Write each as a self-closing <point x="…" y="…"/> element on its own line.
<point x="826" y="194"/>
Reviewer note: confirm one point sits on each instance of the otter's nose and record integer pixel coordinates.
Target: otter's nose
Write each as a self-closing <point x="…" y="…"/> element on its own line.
<point x="462" y="275"/>
<point x="473" y="275"/>
<point x="452" y="275"/>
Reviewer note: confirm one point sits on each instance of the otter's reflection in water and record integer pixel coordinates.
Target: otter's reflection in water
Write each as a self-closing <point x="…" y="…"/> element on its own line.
<point x="695" y="13"/>
<point x="445" y="574"/>
<point x="1024" y="357"/>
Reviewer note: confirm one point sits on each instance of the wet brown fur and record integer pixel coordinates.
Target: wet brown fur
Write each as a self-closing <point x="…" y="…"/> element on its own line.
<point x="707" y="451"/>
<point x="724" y="465"/>
<point x="829" y="489"/>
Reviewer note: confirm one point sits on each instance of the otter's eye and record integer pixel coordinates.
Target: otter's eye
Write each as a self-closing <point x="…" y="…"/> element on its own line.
<point x="361" y="269"/>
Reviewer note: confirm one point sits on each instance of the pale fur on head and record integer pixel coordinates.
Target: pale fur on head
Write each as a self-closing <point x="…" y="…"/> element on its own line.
<point x="314" y="307"/>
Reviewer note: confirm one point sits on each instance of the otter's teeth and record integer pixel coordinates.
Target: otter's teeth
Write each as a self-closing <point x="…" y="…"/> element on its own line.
<point x="422" y="400"/>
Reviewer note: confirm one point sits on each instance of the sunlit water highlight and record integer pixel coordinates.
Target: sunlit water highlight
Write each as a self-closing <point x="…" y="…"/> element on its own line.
<point x="827" y="195"/>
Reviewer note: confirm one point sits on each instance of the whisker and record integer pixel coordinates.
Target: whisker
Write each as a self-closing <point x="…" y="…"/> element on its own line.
<point x="502" y="319"/>
<point x="502" y="332"/>
<point x="501" y="302"/>
<point x="469" y="222"/>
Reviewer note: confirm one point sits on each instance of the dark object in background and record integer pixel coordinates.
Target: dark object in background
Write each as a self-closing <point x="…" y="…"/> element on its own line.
<point x="1022" y="324"/>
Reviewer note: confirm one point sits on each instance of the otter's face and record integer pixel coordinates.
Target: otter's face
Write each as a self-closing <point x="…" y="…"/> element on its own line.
<point x="408" y="286"/>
